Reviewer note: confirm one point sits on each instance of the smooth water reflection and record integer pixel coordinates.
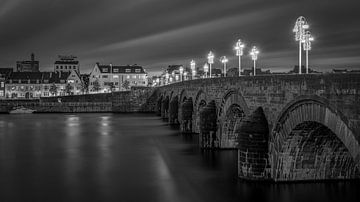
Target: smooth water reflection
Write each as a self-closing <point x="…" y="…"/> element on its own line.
<point x="128" y="157"/>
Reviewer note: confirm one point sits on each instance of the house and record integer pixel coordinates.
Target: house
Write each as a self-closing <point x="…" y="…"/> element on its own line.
<point x="29" y="85"/>
<point x="108" y="78"/>
<point x="4" y="75"/>
<point x="66" y="64"/>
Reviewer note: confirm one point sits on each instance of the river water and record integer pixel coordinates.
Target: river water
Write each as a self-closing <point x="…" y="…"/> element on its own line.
<point x="129" y="157"/>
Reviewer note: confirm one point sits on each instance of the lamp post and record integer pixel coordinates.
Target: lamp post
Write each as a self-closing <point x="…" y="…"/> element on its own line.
<point x="206" y="69"/>
<point x="210" y="58"/>
<point x="254" y="56"/>
<point x="192" y="67"/>
<point x="239" y="47"/>
<point x="307" y="46"/>
<point x="299" y="30"/>
<point x="224" y="60"/>
<point x="185" y="76"/>
<point x="181" y="70"/>
<point x="166" y="78"/>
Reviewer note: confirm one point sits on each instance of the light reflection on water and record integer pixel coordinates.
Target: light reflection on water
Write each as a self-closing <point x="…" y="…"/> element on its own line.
<point x="128" y="157"/>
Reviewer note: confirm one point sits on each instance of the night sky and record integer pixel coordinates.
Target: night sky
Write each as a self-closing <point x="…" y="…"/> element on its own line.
<point x="156" y="33"/>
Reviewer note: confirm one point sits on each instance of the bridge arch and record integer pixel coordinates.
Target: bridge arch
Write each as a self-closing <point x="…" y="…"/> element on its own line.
<point x="199" y="103"/>
<point x="311" y="140"/>
<point x="232" y="111"/>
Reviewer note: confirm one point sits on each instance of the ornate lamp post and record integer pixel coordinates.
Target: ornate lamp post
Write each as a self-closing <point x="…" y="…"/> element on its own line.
<point x="299" y="30"/>
<point x="239" y="47"/>
<point x="181" y="70"/>
<point x="307" y="47"/>
<point x="210" y="58"/>
<point x="185" y="76"/>
<point x="206" y="69"/>
<point x="254" y="56"/>
<point x="193" y="68"/>
<point x="224" y="60"/>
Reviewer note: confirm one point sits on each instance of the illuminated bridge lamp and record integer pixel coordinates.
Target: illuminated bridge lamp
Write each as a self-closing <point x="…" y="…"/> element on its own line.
<point x="254" y="56"/>
<point x="224" y="60"/>
<point x="210" y="58"/>
<point x="307" y="47"/>
<point x="299" y="30"/>
<point x="239" y="48"/>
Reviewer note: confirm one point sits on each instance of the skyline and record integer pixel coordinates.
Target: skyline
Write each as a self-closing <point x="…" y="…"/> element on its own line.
<point x="127" y="32"/>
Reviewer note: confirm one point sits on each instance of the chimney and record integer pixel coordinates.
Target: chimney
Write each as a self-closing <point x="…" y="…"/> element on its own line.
<point x="32" y="57"/>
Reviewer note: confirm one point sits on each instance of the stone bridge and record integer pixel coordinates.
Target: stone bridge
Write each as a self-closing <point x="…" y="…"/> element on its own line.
<point x="285" y="127"/>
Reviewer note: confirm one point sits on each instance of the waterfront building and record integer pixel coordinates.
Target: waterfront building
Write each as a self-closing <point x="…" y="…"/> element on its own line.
<point x="4" y="75"/>
<point x="28" y="85"/>
<point x="28" y="66"/>
<point x="67" y="64"/>
<point x="108" y="78"/>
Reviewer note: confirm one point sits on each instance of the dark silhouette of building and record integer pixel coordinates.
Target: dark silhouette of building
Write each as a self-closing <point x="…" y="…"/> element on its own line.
<point x="67" y="64"/>
<point x="28" y="66"/>
<point x="303" y="70"/>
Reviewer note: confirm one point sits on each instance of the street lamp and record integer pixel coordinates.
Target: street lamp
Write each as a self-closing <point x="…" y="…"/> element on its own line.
<point x="239" y="47"/>
<point x="193" y="66"/>
<point x="307" y="47"/>
<point x="224" y="60"/>
<point x="166" y="78"/>
<point x="254" y="56"/>
<point x="181" y="69"/>
<point x="185" y="76"/>
<point x="299" y="30"/>
<point x="210" y="58"/>
<point x="206" y="69"/>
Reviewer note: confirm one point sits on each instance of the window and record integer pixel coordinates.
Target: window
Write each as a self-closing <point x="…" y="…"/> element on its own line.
<point x="116" y="70"/>
<point x="57" y="66"/>
<point x="2" y="85"/>
<point x="128" y="76"/>
<point x="134" y="76"/>
<point x="137" y="70"/>
<point x="116" y="76"/>
<point x="46" y="94"/>
<point x="105" y="76"/>
<point x="127" y="70"/>
<point x="61" y="67"/>
<point x="105" y="70"/>
<point x="116" y="83"/>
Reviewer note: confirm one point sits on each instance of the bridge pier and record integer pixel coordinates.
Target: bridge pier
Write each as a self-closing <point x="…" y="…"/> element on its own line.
<point x="186" y="114"/>
<point x="173" y="111"/>
<point x="158" y="106"/>
<point x="165" y="108"/>
<point x="208" y="127"/>
<point x="253" y="147"/>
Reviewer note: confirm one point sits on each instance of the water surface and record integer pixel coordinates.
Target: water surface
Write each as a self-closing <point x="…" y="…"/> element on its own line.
<point x="129" y="157"/>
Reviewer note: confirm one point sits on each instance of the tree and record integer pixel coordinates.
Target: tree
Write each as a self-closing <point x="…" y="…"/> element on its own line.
<point x="126" y="84"/>
<point x="84" y="87"/>
<point x="53" y="89"/>
<point x="96" y="86"/>
<point x="68" y="89"/>
<point x="111" y="86"/>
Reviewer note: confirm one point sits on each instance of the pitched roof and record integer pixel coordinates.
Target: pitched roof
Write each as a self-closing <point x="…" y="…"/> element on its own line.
<point x="35" y="77"/>
<point x="128" y="69"/>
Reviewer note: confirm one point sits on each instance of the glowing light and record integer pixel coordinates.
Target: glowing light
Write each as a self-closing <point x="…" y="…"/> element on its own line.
<point x="193" y="67"/>
<point x="239" y="47"/>
<point x="210" y="58"/>
<point x="254" y="56"/>
<point x="299" y="30"/>
<point x="224" y="60"/>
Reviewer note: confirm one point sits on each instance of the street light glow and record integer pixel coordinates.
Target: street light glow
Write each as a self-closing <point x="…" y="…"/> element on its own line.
<point x="181" y="70"/>
<point x="239" y="47"/>
<point x="299" y="30"/>
<point x="206" y="69"/>
<point x="224" y="60"/>
<point x="210" y="58"/>
<point x="193" y="67"/>
<point x="254" y="56"/>
<point x="307" y="47"/>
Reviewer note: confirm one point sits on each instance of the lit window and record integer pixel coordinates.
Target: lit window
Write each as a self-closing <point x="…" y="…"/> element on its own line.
<point x="116" y="70"/>
<point x="128" y="76"/>
<point x="127" y="70"/>
<point x="134" y="76"/>
<point x="137" y="70"/>
<point x="116" y="76"/>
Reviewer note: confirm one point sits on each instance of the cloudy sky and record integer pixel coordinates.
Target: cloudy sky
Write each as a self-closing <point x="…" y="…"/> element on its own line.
<point x="156" y="33"/>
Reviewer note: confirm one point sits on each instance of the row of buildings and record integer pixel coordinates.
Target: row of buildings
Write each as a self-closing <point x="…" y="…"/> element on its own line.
<point x="28" y="82"/>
